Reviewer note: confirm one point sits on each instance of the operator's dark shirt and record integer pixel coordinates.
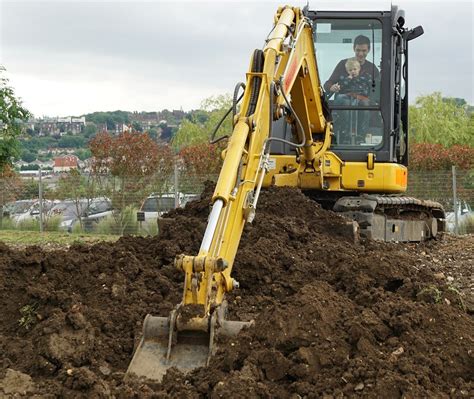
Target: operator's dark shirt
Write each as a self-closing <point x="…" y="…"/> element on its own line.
<point x="365" y="69"/>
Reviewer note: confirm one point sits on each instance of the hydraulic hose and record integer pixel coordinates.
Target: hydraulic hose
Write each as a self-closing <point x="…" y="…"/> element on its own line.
<point x="300" y="125"/>
<point x="233" y="109"/>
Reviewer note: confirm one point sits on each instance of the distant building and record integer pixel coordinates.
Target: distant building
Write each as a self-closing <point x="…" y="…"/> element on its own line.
<point x="65" y="163"/>
<point x="122" y="128"/>
<point x="57" y="126"/>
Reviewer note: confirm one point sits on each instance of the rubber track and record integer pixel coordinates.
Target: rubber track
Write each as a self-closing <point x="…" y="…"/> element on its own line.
<point x="408" y="203"/>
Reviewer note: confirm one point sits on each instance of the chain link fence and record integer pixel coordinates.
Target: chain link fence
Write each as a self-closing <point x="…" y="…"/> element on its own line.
<point x="454" y="189"/>
<point x="108" y="205"/>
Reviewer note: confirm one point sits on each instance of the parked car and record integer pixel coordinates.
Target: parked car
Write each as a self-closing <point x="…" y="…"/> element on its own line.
<point x="98" y="209"/>
<point x="16" y="208"/>
<point x="32" y="211"/>
<point x="87" y="212"/>
<point x="70" y="212"/>
<point x="464" y="213"/>
<point x="156" y="205"/>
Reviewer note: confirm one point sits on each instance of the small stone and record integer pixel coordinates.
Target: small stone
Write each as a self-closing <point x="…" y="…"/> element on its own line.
<point x="450" y="279"/>
<point x="447" y="301"/>
<point x="69" y="371"/>
<point x="398" y="352"/>
<point x="439" y="276"/>
<point x="359" y="386"/>
<point x="104" y="370"/>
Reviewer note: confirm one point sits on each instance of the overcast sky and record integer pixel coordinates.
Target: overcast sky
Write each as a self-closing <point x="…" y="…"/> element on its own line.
<point x="70" y="58"/>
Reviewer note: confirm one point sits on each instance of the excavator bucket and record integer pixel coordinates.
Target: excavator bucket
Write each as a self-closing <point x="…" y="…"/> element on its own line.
<point x="162" y="346"/>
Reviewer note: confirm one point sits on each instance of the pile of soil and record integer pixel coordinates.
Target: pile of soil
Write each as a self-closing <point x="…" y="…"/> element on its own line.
<point x="333" y="317"/>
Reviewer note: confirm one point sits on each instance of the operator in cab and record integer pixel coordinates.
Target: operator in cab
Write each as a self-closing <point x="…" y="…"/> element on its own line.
<point x="361" y="50"/>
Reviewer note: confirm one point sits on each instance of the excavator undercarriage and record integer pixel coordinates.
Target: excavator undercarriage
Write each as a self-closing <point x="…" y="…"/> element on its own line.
<point x="393" y="218"/>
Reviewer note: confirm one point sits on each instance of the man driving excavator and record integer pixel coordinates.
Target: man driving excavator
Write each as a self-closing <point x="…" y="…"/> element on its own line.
<point x="361" y="50"/>
<point x="351" y="125"/>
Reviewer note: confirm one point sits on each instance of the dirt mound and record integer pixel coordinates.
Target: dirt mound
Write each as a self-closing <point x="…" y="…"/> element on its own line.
<point x="333" y="318"/>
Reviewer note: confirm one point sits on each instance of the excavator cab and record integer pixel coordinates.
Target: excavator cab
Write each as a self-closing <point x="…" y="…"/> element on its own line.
<point x="369" y="112"/>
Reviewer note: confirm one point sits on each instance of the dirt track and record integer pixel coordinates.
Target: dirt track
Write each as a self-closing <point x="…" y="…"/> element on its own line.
<point x="333" y="318"/>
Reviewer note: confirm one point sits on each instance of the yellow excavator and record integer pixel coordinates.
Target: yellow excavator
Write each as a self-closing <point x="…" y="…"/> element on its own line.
<point x="305" y="120"/>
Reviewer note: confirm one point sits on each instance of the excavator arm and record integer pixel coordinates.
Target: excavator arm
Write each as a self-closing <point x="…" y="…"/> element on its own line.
<point x="282" y="81"/>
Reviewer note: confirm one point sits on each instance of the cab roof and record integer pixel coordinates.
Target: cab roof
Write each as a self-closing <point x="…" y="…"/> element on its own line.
<point x="345" y="5"/>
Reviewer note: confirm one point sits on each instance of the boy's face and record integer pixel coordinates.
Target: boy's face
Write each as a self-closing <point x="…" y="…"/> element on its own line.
<point x="353" y="70"/>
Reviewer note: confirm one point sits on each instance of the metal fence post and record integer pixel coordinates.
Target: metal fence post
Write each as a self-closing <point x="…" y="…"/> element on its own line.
<point x="176" y="184"/>
<point x="2" y="200"/>
<point x="40" y="195"/>
<point x="455" y="201"/>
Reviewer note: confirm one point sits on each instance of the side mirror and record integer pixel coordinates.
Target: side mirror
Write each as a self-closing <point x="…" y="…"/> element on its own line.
<point x="414" y="33"/>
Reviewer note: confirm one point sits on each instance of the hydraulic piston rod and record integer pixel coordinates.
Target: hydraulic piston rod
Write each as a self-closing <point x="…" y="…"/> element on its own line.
<point x="211" y="226"/>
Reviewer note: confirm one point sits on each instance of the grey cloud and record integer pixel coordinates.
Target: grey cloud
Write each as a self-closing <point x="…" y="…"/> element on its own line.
<point x="201" y="46"/>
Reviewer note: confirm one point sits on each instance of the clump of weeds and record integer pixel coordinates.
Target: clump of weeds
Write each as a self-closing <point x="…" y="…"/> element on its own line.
<point x="430" y="294"/>
<point x="28" y="316"/>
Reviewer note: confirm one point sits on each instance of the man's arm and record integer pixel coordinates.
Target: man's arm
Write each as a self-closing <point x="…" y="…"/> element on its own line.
<point x="339" y="70"/>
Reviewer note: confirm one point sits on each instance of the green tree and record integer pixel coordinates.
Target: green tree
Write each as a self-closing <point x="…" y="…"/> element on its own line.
<point x="71" y="142"/>
<point x="28" y="156"/>
<point x="438" y="120"/>
<point x="153" y="133"/>
<point x="11" y="113"/>
<point x="90" y="130"/>
<point x="198" y="128"/>
<point x="83" y="154"/>
<point x="136" y="126"/>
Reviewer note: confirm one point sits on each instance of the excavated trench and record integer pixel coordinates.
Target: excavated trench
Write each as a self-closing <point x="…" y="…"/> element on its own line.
<point x="333" y="318"/>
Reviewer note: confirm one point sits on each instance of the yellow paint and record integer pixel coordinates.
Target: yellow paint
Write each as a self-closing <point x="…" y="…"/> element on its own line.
<point x="341" y="176"/>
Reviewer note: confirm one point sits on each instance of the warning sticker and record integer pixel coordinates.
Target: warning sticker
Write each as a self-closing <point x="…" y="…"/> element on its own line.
<point x="272" y="164"/>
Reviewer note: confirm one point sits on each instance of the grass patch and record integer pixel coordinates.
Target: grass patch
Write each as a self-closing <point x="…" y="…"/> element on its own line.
<point x="468" y="226"/>
<point x="51" y="237"/>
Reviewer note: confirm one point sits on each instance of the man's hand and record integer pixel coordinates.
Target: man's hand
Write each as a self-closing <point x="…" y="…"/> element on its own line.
<point x="335" y="88"/>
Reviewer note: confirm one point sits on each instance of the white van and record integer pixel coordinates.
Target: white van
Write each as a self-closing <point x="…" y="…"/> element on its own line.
<point x="158" y="204"/>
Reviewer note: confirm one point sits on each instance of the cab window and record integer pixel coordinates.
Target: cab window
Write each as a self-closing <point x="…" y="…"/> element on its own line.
<point x="349" y="54"/>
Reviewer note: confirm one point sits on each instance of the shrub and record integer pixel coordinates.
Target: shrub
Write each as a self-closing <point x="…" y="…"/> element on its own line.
<point x="428" y="156"/>
<point x="124" y="222"/>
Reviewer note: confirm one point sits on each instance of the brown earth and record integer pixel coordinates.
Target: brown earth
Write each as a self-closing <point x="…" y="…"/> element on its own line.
<point x="333" y="318"/>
